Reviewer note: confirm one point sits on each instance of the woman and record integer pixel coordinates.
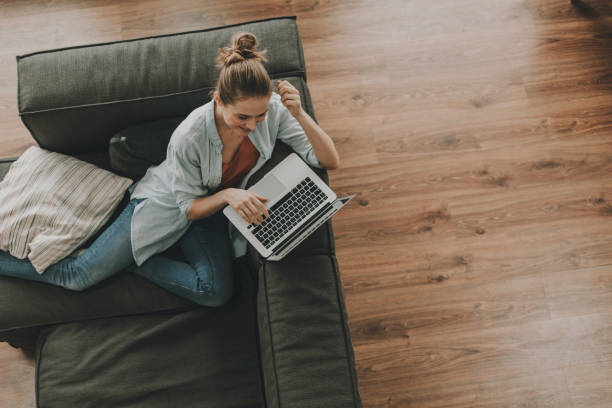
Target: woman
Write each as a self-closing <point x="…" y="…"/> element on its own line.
<point x="209" y="157"/>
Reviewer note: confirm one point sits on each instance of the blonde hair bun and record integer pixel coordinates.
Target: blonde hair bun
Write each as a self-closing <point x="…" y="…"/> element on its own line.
<point x="243" y="47"/>
<point x="242" y="74"/>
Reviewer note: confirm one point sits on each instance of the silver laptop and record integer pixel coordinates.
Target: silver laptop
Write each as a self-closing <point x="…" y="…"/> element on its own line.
<point x="298" y="203"/>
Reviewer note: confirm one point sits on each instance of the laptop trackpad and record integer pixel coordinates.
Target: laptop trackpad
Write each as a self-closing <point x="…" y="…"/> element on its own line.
<point x="269" y="187"/>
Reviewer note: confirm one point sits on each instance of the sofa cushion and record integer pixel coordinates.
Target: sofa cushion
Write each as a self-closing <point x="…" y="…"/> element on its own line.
<point x="134" y="149"/>
<point x="206" y="357"/>
<point x="96" y="90"/>
<point x="52" y="203"/>
<point x="25" y="304"/>
<point x="307" y="357"/>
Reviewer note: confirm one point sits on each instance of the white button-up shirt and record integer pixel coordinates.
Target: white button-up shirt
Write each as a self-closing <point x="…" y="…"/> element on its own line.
<point x="192" y="169"/>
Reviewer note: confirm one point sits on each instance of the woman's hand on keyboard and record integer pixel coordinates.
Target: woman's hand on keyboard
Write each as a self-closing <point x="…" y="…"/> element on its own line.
<point x="248" y="205"/>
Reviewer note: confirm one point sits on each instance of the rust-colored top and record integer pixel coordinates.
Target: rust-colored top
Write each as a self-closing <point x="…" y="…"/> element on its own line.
<point x="243" y="161"/>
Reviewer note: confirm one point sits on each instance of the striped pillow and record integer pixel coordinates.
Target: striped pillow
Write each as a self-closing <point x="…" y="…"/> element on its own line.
<point x="52" y="203"/>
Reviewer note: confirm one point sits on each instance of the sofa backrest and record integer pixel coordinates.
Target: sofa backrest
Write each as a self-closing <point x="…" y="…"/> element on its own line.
<point x="74" y="99"/>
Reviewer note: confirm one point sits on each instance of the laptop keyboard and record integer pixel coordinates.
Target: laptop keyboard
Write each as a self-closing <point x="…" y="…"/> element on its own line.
<point x="288" y="212"/>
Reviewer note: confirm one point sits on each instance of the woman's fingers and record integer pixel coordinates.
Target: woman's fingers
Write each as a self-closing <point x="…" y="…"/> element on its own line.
<point x="287" y="90"/>
<point x="261" y="206"/>
<point x="254" y="214"/>
<point x="285" y="87"/>
<point x="290" y="97"/>
<point x="289" y="94"/>
<point x="243" y="214"/>
<point x="249" y="205"/>
<point x="253" y="210"/>
<point x="248" y="212"/>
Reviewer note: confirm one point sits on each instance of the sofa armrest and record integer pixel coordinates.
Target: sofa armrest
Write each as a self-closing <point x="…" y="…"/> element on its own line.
<point x="306" y="352"/>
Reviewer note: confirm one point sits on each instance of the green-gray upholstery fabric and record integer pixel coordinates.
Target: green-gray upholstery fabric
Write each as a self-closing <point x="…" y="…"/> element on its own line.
<point x="201" y="358"/>
<point x="304" y="334"/>
<point x="5" y="164"/>
<point x="136" y="148"/>
<point x="26" y="304"/>
<point x="67" y="96"/>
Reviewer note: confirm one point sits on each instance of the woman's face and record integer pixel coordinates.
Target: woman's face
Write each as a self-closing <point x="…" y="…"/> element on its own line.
<point x="244" y="115"/>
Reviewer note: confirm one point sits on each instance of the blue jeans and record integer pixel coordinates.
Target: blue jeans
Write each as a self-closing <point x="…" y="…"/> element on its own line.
<point x="206" y="279"/>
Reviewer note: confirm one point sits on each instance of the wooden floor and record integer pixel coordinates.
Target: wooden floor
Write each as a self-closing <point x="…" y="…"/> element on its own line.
<point x="477" y="258"/>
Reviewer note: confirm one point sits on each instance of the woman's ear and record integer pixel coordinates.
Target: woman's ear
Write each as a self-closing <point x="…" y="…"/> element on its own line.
<point x="217" y="98"/>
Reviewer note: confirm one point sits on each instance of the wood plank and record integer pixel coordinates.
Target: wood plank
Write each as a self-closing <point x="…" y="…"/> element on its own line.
<point x="590" y="384"/>
<point x="546" y="389"/>
<point x="17" y="380"/>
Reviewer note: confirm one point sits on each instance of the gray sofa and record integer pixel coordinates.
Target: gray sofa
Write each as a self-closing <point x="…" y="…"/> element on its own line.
<point x="283" y="339"/>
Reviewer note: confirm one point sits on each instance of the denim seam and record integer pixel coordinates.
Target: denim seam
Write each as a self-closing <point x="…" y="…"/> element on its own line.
<point x="198" y="291"/>
<point x="212" y="267"/>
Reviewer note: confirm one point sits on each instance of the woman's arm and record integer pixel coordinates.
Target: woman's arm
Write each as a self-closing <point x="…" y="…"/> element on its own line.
<point x="203" y="207"/>
<point x="322" y="144"/>
<point x="246" y="203"/>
